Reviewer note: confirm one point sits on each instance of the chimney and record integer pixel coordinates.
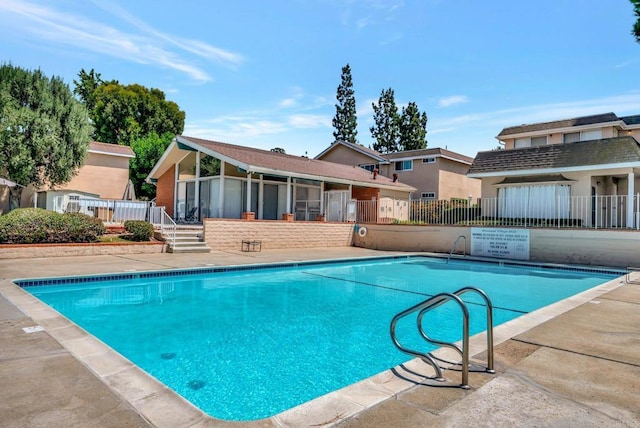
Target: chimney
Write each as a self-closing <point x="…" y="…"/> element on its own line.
<point x="375" y="173"/>
<point x="395" y="177"/>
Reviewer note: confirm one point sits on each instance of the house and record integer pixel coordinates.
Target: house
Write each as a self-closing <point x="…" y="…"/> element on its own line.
<point x="105" y="175"/>
<point x="220" y="180"/>
<point x="583" y="169"/>
<point x="435" y="173"/>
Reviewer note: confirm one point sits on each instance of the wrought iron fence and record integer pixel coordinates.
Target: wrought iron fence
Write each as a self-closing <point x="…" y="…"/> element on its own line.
<point x="594" y="212"/>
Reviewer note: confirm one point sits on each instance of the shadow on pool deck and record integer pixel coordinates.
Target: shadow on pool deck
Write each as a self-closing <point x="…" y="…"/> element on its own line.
<point x="580" y="368"/>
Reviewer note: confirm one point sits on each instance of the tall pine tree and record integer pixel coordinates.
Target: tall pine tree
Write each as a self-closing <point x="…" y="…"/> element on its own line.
<point x="413" y="128"/>
<point x="386" y="130"/>
<point x="345" y="120"/>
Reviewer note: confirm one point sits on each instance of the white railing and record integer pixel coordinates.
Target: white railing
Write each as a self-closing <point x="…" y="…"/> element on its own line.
<point x="593" y="212"/>
<point x="107" y="210"/>
<point x="159" y="218"/>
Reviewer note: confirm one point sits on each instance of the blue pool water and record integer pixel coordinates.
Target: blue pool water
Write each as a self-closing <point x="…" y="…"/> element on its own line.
<point x="247" y="344"/>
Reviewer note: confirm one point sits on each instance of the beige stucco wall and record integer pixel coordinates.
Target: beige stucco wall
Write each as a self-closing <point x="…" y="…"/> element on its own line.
<point x="453" y="183"/>
<point x="101" y="174"/>
<point x="225" y="234"/>
<point x="558" y="137"/>
<point x="586" y="247"/>
<point x="347" y="156"/>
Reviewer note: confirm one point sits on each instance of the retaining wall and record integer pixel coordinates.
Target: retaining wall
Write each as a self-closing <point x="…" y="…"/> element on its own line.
<point x="225" y="234"/>
<point x="619" y="248"/>
<point x="21" y="251"/>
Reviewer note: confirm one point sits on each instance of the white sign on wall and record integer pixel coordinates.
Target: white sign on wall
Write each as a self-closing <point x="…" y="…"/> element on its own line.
<point x="501" y="243"/>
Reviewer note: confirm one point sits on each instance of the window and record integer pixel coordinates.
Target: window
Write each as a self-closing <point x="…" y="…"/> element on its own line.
<point x="406" y="165"/>
<point x="574" y="137"/>
<point x="538" y="141"/>
<point x="591" y="135"/>
<point x="368" y="167"/>
<point x="428" y="160"/>
<point x="428" y="195"/>
<point x="530" y="142"/>
<point x="571" y="137"/>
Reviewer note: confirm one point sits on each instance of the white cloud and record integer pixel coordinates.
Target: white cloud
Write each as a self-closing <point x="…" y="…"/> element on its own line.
<point x="288" y="102"/>
<point x="452" y="100"/>
<point x="309" y="121"/>
<point x="146" y="46"/>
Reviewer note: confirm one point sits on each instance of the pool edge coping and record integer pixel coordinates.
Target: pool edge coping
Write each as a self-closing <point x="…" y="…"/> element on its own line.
<point x="146" y="395"/>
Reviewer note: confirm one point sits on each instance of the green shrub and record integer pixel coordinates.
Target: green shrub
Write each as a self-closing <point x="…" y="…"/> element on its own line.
<point x="36" y="226"/>
<point x="139" y="230"/>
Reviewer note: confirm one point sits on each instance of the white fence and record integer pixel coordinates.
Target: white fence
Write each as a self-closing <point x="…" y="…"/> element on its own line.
<point x="594" y="212"/>
<point x="107" y="210"/>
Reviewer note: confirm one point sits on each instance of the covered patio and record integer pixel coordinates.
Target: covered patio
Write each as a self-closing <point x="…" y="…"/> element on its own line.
<point x="208" y="179"/>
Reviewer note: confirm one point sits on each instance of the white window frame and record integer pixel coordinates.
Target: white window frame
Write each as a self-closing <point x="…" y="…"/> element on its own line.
<point x="519" y="143"/>
<point x="403" y="163"/>
<point x="593" y="134"/>
<point x="427" y="195"/>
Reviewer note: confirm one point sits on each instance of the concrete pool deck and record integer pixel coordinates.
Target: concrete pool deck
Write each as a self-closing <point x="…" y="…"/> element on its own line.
<point x="574" y="363"/>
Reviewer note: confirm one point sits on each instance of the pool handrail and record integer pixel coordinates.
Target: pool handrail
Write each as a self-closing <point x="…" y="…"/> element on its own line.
<point x="490" y="361"/>
<point x="432" y="303"/>
<point x="455" y="244"/>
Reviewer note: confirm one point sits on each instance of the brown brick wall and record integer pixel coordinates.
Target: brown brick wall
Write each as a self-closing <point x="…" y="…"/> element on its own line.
<point x="225" y="234"/>
<point x="164" y="191"/>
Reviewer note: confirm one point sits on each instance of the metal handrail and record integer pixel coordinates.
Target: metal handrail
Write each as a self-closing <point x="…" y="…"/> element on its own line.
<point x="455" y="244"/>
<point x="432" y="303"/>
<point x="168" y="225"/>
<point x="490" y="367"/>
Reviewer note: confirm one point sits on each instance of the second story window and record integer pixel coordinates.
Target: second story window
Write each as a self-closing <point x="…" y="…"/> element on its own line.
<point x="428" y="195"/>
<point x="428" y="160"/>
<point x="573" y="137"/>
<point x="370" y="167"/>
<point x="406" y="165"/>
<point x="530" y="142"/>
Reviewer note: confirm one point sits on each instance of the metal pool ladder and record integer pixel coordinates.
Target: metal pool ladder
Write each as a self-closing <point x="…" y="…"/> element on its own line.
<point x="432" y="303"/>
<point x="455" y="244"/>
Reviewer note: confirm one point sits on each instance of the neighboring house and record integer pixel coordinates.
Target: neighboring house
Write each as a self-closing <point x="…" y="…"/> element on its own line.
<point x="435" y="173"/>
<point x="584" y="169"/>
<point x="219" y="180"/>
<point x="105" y="175"/>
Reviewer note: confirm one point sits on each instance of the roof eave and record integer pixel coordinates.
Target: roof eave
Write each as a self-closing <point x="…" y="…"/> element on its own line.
<point x="554" y="170"/>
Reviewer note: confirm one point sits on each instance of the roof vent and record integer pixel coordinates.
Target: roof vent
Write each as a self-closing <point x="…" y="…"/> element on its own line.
<point x="395" y="177"/>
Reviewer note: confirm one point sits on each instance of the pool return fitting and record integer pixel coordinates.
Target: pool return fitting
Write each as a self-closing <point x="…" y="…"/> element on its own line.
<point x="432" y="303"/>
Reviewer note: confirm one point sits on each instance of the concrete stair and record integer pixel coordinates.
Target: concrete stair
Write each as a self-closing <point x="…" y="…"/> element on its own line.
<point x="188" y="240"/>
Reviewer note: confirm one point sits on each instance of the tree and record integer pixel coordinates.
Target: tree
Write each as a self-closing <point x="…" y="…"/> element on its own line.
<point x="413" y="128"/>
<point x="345" y="121"/>
<point x="44" y="130"/>
<point x="148" y="150"/>
<point x="636" y="27"/>
<point x="386" y="130"/>
<point x="124" y="114"/>
<point x="279" y="150"/>
<point x="86" y="87"/>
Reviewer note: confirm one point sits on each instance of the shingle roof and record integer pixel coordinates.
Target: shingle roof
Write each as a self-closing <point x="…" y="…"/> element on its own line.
<point x="631" y="120"/>
<point x="557" y="156"/>
<point x="427" y="152"/>
<point x="565" y="123"/>
<point x="357" y="147"/>
<point x="295" y="164"/>
<point x="115" y="149"/>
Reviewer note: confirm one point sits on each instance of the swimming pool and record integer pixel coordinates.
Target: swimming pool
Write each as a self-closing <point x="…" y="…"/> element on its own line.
<point x="246" y="344"/>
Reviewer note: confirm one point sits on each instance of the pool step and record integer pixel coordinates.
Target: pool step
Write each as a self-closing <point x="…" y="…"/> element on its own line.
<point x="188" y="239"/>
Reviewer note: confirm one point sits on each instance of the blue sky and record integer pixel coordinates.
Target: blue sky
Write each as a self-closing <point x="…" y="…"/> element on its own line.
<point x="264" y="73"/>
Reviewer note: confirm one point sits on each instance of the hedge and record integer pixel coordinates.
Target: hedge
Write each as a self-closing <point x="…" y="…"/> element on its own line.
<point x="139" y="230"/>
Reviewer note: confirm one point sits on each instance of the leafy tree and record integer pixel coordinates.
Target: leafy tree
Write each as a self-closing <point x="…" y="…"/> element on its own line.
<point x="636" y="27"/>
<point x="413" y="128"/>
<point x="86" y="87"/>
<point x="128" y="114"/>
<point x="345" y="121"/>
<point x="44" y="130"/>
<point x="278" y="150"/>
<point x="386" y="130"/>
<point x="148" y="150"/>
